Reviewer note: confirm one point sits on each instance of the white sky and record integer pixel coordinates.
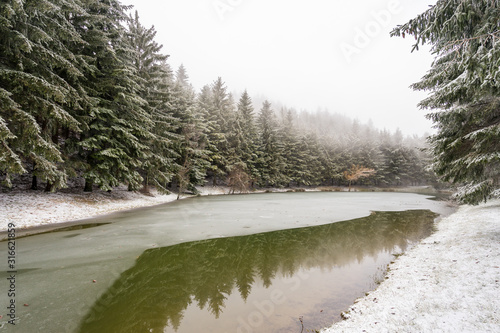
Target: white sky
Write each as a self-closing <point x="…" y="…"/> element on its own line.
<point x="311" y="54"/>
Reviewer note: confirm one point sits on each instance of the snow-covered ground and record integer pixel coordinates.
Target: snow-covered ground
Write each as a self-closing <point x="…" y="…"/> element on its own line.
<point x="35" y="208"/>
<point x="448" y="283"/>
<point x="38" y="208"/>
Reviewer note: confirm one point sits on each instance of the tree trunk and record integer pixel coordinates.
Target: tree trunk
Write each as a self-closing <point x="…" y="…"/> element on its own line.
<point x="146" y="184"/>
<point x="34" y="183"/>
<point x="49" y="187"/>
<point x="55" y="137"/>
<point x="34" y="180"/>
<point x="88" y="185"/>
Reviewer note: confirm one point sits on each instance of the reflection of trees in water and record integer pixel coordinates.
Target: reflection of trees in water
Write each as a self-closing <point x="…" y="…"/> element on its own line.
<point x="164" y="281"/>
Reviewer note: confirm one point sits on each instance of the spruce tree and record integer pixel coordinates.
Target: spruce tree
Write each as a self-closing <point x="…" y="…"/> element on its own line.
<point x="271" y="162"/>
<point x="204" y="107"/>
<point x="193" y="157"/>
<point x="220" y="116"/>
<point x="181" y="76"/>
<point x="332" y="162"/>
<point x="10" y="161"/>
<point x="113" y="144"/>
<point x="314" y="165"/>
<point x="156" y="89"/>
<point x="38" y="86"/>
<point x="295" y="159"/>
<point x="249" y="147"/>
<point x="464" y="82"/>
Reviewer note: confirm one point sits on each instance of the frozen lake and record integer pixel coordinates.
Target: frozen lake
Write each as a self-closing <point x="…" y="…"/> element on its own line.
<point x="237" y="263"/>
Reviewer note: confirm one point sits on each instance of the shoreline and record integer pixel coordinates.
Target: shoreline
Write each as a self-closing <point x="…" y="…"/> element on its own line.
<point x="72" y="207"/>
<point x="35" y="212"/>
<point x="449" y="282"/>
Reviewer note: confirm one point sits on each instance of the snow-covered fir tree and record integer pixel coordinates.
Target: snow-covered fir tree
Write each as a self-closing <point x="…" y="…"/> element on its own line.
<point x="464" y="82"/>
<point x="38" y="89"/>
<point x="155" y="88"/>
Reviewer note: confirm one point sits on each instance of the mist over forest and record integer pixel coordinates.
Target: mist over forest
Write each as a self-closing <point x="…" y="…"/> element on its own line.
<point x="97" y="104"/>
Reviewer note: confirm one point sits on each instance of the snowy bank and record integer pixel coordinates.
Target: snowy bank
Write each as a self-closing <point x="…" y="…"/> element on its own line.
<point x="448" y="283"/>
<point x="27" y="209"/>
<point x="37" y="208"/>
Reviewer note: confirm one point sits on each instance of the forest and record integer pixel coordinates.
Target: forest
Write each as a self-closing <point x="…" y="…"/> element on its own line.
<point x="87" y="93"/>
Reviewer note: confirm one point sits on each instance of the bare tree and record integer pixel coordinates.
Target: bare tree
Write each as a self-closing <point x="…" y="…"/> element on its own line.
<point x="356" y="172"/>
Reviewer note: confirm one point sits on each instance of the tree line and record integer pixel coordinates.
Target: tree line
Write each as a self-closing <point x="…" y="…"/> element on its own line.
<point x="86" y="92"/>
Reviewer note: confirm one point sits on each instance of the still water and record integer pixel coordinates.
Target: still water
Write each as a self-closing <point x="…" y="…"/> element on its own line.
<point x="250" y="263"/>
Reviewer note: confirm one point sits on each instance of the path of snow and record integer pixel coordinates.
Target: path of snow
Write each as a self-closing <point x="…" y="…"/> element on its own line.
<point x="448" y="283"/>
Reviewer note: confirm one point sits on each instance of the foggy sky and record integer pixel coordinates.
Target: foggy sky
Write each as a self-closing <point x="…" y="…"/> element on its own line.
<point x="315" y="54"/>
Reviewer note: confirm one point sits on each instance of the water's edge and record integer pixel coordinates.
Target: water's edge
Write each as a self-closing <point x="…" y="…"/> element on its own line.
<point x="54" y="227"/>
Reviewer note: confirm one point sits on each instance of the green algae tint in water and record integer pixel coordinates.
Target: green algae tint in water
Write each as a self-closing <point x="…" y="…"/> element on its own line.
<point x="257" y="283"/>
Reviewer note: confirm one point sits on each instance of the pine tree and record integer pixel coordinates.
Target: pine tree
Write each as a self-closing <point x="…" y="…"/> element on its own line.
<point x="235" y="143"/>
<point x="248" y="146"/>
<point x="314" y="161"/>
<point x="113" y="144"/>
<point x="10" y="162"/>
<point x="295" y="165"/>
<point x="191" y="146"/>
<point x="37" y="74"/>
<point x="220" y="116"/>
<point x="155" y="88"/>
<point x="271" y="163"/>
<point x="332" y="162"/>
<point x="204" y="108"/>
<point x="464" y="81"/>
<point x="182" y="77"/>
